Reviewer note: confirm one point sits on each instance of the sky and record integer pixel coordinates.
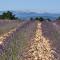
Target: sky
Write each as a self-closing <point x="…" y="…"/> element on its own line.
<point x="51" y="6"/>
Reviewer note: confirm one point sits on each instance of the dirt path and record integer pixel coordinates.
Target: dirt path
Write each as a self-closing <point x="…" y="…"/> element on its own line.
<point x="41" y="48"/>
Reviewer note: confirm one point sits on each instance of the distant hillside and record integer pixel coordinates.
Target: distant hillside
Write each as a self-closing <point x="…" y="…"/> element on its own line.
<point x="27" y="15"/>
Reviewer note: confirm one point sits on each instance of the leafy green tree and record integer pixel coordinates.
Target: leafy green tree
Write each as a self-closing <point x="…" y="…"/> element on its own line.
<point x="39" y="18"/>
<point x="8" y="15"/>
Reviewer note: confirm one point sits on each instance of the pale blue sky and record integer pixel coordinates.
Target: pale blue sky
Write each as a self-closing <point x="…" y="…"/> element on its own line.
<point x="52" y="6"/>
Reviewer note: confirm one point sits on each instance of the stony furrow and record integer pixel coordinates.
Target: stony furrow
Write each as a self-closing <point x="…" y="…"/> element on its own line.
<point x="41" y="48"/>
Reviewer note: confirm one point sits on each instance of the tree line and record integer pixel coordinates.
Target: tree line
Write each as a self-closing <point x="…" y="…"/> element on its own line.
<point x="43" y="19"/>
<point x="39" y="19"/>
<point x="8" y="15"/>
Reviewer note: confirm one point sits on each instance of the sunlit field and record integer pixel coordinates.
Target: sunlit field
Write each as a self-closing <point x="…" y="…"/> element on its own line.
<point x="29" y="40"/>
<point x="6" y="25"/>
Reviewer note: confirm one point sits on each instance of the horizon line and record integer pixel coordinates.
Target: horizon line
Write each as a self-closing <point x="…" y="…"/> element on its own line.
<point x="32" y="11"/>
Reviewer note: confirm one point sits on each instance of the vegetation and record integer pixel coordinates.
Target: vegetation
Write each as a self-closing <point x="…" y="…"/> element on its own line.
<point x="48" y="19"/>
<point x="17" y="42"/>
<point x="6" y="26"/>
<point x="32" y="19"/>
<point x="39" y="18"/>
<point x="8" y="15"/>
<point x="58" y="18"/>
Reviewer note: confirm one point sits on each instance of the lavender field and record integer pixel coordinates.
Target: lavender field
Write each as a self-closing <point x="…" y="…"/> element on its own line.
<point x="29" y="40"/>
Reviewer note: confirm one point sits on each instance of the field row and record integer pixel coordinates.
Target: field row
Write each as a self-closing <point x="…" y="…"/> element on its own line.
<point x="32" y="40"/>
<point x="7" y="25"/>
<point x="41" y="48"/>
<point x="14" y="46"/>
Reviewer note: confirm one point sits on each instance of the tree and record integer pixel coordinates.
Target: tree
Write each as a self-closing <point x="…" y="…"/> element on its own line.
<point x="39" y="18"/>
<point x="36" y="18"/>
<point x="48" y="19"/>
<point x="8" y="15"/>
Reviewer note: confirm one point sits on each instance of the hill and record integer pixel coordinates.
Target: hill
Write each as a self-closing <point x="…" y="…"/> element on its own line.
<point x="27" y="15"/>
